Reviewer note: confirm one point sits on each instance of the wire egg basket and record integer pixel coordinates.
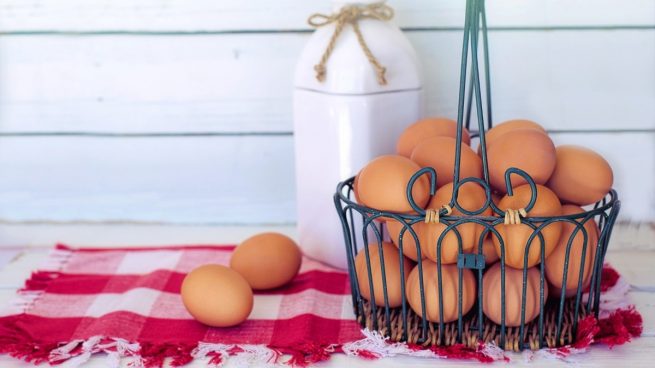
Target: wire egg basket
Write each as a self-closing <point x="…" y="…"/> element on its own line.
<point x="557" y="321"/>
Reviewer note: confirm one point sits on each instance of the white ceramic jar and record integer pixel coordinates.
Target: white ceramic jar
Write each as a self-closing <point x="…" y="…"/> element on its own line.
<point x="342" y="123"/>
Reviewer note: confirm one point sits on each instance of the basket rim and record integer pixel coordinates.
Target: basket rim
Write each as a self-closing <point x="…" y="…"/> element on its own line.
<point x="374" y="213"/>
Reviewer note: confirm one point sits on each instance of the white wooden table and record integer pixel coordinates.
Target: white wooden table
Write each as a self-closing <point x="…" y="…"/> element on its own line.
<point x="23" y="248"/>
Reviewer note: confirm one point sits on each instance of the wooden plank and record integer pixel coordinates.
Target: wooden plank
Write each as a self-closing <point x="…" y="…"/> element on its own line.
<point x="230" y="15"/>
<point x="6" y="295"/>
<point x="635" y="236"/>
<point x="8" y="254"/>
<point x="558" y="79"/>
<point x="635" y="265"/>
<point x="218" y="179"/>
<point x="645" y="304"/>
<point x="567" y="80"/>
<point x="230" y="180"/>
<point x="13" y="275"/>
<point x="45" y="235"/>
<point x="136" y="84"/>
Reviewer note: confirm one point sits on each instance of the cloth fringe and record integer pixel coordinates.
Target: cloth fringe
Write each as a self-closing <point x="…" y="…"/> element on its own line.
<point x="619" y="323"/>
<point x="37" y="283"/>
<point x="375" y="346"/>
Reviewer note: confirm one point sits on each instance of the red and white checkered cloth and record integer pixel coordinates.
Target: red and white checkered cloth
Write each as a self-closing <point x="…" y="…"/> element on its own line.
<point x="126" y="303"/>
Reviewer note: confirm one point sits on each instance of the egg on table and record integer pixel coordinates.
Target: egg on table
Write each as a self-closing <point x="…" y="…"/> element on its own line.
<point x="391" y="261"/>
<point x="492" y="295"/>
<point x="450" y="288"/>
<point x="515" y="236"/>
<point x="428" y="128"/>
<point x="217" y="296"/>
<point x="267" y="260"/>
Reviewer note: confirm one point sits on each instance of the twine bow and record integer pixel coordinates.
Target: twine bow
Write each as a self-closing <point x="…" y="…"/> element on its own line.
<point x="351" y="14"/>
<point x="513" y="217"/>
<point x="432" y="216"/>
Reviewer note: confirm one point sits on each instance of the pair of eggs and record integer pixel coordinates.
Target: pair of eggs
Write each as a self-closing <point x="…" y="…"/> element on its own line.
<point x="222" y="296"/>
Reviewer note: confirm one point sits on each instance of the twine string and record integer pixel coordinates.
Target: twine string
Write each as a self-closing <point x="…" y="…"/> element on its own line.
<point x="513" y="217"/>
<point x="432" y="215"/>
<point x="351" y="14"/>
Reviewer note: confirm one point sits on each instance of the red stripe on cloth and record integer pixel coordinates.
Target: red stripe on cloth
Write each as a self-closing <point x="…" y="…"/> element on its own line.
<point x="170" y="281"/>
<point x="133" y="327"/>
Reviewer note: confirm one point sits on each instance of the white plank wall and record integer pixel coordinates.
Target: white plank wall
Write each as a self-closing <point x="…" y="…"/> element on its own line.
<point x="230" y="15"/>
<point x="243" y="83"/>
<point x="180" y="111"/>
<point x="215" y="179"/>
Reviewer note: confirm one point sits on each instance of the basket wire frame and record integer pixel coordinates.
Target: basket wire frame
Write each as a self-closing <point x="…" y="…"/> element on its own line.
<point x="359" y="223"/>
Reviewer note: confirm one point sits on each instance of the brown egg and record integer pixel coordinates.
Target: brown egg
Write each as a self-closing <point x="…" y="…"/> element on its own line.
<point x="491" y="291"/>
<point x="488" y="247"/>
<point x="581" y="175"/>
<point x="495" y="197"/>
<point x="489" y="250"/>
<point x="555" y="261"/>
<point x="428" y="128"/>
<point x="267" y="260"/>
<point x="525" y="149"/>
<point x="439" y="153"/>
<point x="391" y="269"/>
<point x="217" y="296"/>
<point x="516" y="236"/>
<point x="509" y="126"/>
<point x="450" y="289"/>
<point x="383" y="183"/>
<point x="409" y="245"/>
<point x="355" y="188"/>
<point x="471" y="197"/>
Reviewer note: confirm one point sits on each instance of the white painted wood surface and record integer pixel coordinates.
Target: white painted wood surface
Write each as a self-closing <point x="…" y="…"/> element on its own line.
<point x="229" y="15"/>
<point x="180" y="110"/>
<point x="636" y="266"/>
<point x="566" y="80"/>
<point x="216" y="179"/>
